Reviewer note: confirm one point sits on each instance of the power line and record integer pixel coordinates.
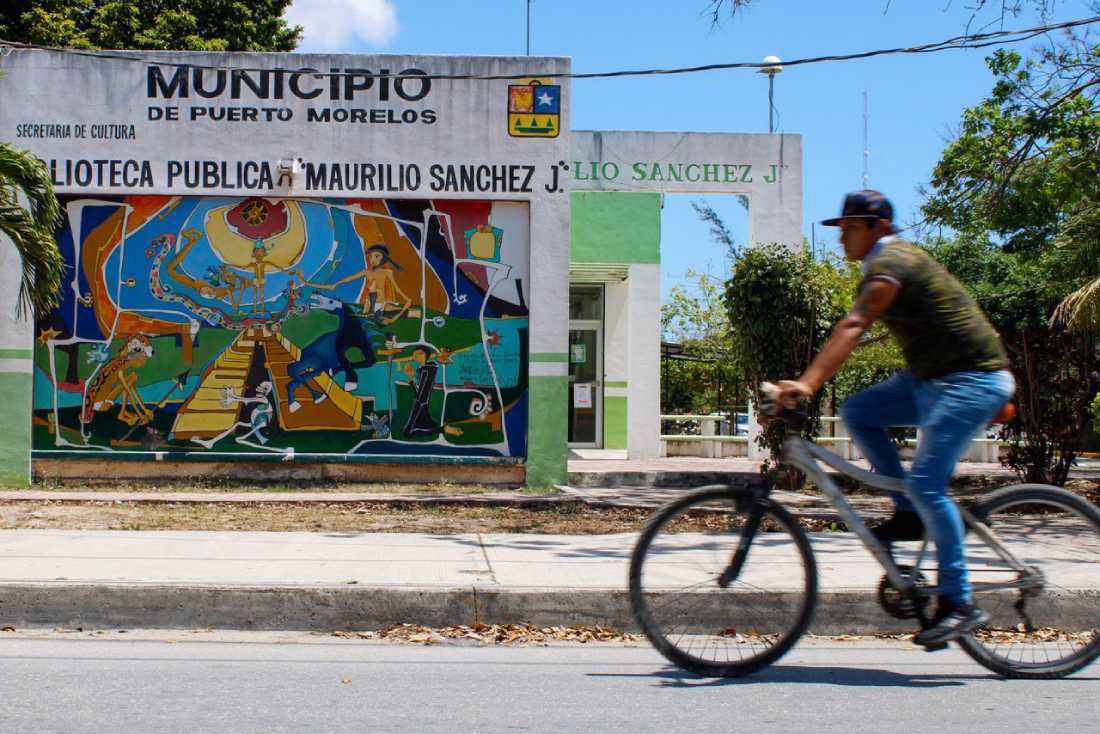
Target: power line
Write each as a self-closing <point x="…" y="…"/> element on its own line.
<point x="978" y="40"/>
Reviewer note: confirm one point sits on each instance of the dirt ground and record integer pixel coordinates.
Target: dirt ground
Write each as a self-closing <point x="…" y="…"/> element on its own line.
<point x="568" y="519"/>
<point x="113" y="485"/>
<point x="572" y="518"/>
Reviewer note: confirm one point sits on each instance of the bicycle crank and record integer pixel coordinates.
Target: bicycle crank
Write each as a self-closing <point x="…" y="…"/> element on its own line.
<point x="895" y="601"/>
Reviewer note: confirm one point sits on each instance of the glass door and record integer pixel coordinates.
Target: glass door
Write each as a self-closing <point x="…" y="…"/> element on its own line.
<point x="585" y="384"/>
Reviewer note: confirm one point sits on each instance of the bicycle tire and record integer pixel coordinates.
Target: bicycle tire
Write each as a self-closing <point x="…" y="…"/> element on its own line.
<point x="1081" y="607"/>
<point x="644" y="602"/>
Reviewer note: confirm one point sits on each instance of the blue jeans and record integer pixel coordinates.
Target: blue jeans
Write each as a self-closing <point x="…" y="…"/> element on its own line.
<point x="949" y="411"/>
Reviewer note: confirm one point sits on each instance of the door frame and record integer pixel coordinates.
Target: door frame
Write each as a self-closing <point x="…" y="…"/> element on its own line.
<point x="595" y="325"/>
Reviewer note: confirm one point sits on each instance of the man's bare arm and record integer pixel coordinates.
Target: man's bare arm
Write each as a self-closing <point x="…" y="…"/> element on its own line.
<point x="873" y="300"/>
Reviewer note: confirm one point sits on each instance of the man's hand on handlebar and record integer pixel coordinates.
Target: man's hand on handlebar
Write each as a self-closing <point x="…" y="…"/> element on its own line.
<point x="792" y="391"/>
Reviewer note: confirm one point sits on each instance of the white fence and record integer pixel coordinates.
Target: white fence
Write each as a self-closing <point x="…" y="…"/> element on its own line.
<point x="710" y="443"/>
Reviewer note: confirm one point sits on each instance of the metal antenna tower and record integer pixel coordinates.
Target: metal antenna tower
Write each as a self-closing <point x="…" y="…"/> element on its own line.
<point x="866" y="148"/>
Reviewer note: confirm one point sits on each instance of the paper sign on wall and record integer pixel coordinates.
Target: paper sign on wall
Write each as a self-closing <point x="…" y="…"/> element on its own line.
<point x="578" y="354"/>
<point x="582" y="395"/>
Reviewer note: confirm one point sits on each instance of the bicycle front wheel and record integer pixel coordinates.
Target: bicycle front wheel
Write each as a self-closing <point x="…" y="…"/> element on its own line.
<point x="1046" y="618"/>
<point x="701" y="624"/>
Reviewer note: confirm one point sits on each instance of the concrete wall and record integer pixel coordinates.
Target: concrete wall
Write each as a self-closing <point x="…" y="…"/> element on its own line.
<point x="614" y="227"/>
<point x="767" y="168"/>
<point x="617" y="358"/>
<point x="644" y="388"/>
<point x="158" y="126"/>
<point x="16" y="338"/>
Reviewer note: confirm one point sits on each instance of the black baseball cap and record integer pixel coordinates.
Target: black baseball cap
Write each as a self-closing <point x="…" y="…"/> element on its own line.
<point x="866" y="204"/>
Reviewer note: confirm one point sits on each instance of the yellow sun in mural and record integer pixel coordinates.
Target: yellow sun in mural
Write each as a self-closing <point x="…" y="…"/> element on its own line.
<point x="256" y="212"/>
<point x="282" y="249"/>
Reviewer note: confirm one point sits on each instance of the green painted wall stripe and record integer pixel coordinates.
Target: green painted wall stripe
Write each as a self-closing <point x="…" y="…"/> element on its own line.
<point x="614" y="422"/>
<point x="547" y="430"/>
<point x="548" y="357"/>
<point x="614" y="227"/>
<point x="218" y="456"/>
<point x="616" y="383"/>
<point x="15" y="429"/>
<point x="16" y="353"/>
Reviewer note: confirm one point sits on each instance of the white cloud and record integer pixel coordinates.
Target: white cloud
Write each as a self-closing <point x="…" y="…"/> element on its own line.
<point x="338" y="25"/>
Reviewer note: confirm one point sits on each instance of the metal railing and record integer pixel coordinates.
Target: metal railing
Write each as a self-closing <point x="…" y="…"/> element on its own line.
<point x="713" y="442"/>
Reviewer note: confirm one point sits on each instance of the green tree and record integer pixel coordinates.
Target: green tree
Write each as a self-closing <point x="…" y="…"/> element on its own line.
<point x="1053" y="366"/>
<point x="782" y="305"/>
<point x="1020" y="184"/>
<point x="1024" y="170"/>
<point x="29" y="217"/>
<point x="193" y="25"/>
<point x="702" y="379"/>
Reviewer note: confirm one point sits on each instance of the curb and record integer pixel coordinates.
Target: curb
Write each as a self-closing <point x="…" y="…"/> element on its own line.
<point x="292" y="498"/>
<point x="824" y="513"/>
<point x="650" y="479"/>
<point x="131" y="606"/>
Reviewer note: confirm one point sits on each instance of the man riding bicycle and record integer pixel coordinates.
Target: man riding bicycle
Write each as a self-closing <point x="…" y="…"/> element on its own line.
<point x="957" y="379"/>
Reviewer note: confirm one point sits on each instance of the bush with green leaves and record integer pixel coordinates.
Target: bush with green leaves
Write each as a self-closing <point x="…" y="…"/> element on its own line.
<point x="1052" y="364"/>
<point x="782" y="305"/>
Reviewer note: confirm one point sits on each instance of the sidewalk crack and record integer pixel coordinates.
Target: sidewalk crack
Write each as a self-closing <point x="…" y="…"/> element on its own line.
<point x="485" y="555"/>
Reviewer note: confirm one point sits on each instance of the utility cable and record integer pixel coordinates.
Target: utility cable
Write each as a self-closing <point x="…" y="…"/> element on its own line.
<point x="978" y="40"/>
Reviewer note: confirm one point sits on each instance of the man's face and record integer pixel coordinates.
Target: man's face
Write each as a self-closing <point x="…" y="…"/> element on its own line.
<point x="857" y="237"/>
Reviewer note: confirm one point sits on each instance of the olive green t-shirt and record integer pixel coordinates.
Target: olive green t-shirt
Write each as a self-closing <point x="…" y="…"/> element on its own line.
<point x="938" y="325"/>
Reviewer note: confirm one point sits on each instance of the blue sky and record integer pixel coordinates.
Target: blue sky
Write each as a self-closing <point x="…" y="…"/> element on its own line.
<point x="915" y="101"/>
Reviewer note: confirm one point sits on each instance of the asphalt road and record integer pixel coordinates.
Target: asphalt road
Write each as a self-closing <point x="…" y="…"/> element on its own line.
<point x="287" y="682"/>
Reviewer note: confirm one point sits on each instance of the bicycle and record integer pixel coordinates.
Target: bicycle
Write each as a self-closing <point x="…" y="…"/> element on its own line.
<point x="723" y="620"/>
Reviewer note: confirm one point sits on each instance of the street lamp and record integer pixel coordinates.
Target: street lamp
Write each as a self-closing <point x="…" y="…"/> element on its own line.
<point x="773" y="67"/>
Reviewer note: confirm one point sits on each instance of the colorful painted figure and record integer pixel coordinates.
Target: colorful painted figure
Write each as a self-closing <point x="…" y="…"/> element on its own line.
<point x="422" y="378"/>
<point x="329" y="352"/>
<point x="260" y="419"/>
<point x="117" y="381"/>
<point x="221" y="283"/>
<point x="380" y="297"/>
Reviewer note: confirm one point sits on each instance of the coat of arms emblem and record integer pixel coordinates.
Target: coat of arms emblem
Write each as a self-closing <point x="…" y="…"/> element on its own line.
<point x="534" y="109"/>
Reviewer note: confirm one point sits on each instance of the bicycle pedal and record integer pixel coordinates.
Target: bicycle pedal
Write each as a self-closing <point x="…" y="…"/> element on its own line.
<point x="935" y="647"/>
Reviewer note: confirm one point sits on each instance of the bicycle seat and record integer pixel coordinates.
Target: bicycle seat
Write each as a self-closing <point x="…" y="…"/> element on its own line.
<point x="1006" y="414"/>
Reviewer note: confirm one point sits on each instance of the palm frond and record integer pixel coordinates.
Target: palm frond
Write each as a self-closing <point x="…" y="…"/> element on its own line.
<point x="32" y="229"/>
<point x="1078" y="239"/>
<point x="1080" y="311"/>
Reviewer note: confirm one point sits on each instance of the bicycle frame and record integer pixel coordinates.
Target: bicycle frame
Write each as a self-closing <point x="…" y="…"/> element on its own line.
<point x="804" y="455"/>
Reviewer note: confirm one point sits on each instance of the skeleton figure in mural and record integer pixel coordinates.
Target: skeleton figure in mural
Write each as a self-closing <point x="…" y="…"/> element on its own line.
<point x="330" y="352"/>
<point x="383" y="300"/>
<point x="117" y="382"/>
<point x="421" y="371"/>
<point x="260" y="419"/>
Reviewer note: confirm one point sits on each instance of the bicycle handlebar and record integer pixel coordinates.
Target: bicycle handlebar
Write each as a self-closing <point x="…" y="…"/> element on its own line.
<point x="771" y="407"/>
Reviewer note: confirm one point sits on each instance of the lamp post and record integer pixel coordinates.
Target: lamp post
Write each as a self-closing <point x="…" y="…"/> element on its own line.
<point x="773" y="67"/>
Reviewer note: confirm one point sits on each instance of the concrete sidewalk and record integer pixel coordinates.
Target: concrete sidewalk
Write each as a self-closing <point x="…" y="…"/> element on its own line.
<point x="330" y="581"/>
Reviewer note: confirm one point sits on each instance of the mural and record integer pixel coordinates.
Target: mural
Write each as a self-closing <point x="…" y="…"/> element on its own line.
<point x="338" y="326"/>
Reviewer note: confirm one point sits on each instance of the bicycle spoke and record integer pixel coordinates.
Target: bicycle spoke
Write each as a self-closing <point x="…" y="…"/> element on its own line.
<point x="707" y="628"/>
<point x="1044" y="631"/>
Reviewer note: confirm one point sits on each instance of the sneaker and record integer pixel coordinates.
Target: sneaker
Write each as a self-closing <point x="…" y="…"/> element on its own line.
<point x="951" y="621"/>
<point x="901" y="527"/>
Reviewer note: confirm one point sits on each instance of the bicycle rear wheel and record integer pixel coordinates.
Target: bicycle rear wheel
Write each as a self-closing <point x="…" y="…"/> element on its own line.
<point x="688" y="616"/>
<point x="1050" y="626"/>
